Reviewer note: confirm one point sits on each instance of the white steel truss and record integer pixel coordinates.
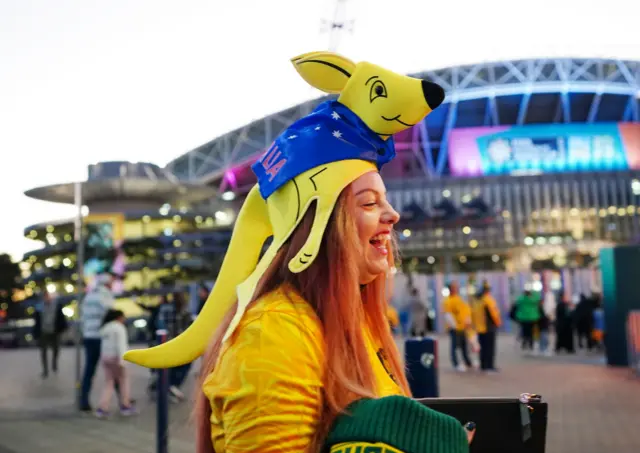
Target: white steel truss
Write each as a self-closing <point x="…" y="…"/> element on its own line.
<point x="489" y="81"/>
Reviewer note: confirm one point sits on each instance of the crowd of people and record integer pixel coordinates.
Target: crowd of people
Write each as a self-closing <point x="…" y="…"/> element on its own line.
<point x="582" y="320"/>
<point x="472" y="324"/>
<point x="105" y="338"/>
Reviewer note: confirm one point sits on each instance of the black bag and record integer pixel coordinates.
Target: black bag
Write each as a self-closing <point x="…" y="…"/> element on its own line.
<point x="503" y="425"/>
<point x="513" y="312"/>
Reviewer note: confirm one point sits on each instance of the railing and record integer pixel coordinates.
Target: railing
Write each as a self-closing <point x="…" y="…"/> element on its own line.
<point x="633" y="340"/>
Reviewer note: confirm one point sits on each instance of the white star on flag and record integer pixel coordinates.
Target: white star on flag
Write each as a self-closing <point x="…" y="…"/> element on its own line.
<point x="337" y="134"/>
<point x="317" y="128"/>
<point x="335" y="115"/>
<point x="291" y="137"/>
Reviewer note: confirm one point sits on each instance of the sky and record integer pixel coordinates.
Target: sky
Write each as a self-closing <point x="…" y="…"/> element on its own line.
<point x="84" y="81"/>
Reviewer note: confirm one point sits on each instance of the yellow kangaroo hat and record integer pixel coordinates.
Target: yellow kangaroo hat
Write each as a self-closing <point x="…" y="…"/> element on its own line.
<point x="311" y="161"/>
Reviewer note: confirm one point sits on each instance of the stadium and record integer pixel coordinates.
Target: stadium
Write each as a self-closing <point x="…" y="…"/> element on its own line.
<point x="139" y="223"/>
<point x="524" y="173"/>
<point x="521" y="176"/>
<point x="528" y="164"/>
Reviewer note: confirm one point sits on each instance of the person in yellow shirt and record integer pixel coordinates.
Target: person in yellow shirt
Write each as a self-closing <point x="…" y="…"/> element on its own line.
<point x="392" y="316"/>
<point x="299" y="333"/>
<point x="457" y="316"/>
<point x="392" y="313"/>
<point x="486" y="321"/>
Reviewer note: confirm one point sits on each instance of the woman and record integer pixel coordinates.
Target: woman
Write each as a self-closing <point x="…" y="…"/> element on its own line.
<point x="301" y="333"/>
<point x="486" y="321"/>
<point x="114" y="343"/>
<point x="293" y="316"/>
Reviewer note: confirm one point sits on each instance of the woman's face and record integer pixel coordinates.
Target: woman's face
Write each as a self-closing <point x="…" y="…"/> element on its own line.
<point x="374" y="220"/>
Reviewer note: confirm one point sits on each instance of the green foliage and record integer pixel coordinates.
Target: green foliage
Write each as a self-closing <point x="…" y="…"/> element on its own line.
<point x="10" y="278"/>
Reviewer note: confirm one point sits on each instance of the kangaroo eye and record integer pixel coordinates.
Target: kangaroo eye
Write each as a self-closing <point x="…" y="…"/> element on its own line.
<point x="378" y="90"/>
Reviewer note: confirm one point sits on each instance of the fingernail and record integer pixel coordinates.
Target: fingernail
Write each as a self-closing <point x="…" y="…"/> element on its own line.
<point x="470" y="426"/>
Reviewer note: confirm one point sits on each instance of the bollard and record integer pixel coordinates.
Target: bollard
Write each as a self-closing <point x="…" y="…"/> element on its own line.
<point x="633" y="340"/>
<point x="421" y="361"/>
<point x="162" y="402"/>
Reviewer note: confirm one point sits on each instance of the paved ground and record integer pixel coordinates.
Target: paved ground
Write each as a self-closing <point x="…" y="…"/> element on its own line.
<point x="593" y="409"/>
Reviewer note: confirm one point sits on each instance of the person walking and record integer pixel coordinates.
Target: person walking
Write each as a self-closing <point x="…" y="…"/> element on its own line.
<point x="419" y="314"/>
<point x="486" y="321"/>
<point x="583" y="321"/>
<point x="527" y="314"/>
<point x="175" y="318"/>
<point x="50" y="324"/>
<point x="114" y="343"/>
<point x="458" y="320"/>
<point x="94" y="307"/>
<point x="564" y="327"/>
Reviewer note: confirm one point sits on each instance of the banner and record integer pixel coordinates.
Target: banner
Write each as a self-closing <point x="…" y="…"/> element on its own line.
<point x="549" y="148"/>
<point x="104" y="234"/>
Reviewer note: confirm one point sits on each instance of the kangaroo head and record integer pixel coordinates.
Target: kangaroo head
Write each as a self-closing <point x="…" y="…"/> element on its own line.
<point x="387" y="102"/>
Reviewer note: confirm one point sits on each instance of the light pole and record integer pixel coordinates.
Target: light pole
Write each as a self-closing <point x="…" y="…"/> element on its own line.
<point x="79" y="238"/>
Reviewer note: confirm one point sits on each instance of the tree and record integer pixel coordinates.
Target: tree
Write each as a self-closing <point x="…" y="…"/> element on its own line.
<point x="10" y="278"/>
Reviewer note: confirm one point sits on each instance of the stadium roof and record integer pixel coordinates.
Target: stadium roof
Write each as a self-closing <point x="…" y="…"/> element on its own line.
<point x="515" y="92"/>
<point x="110" y="181"/>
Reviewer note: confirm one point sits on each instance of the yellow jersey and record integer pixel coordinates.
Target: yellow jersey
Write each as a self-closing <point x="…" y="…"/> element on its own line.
<point x="392" y="316"/>
<point x="266" y="390"/>
<point x="483" y="306"/>
<point x="459" y="309"/>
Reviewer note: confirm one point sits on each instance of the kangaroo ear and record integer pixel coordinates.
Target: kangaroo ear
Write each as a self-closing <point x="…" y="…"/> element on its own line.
<point x="326" y="71"/>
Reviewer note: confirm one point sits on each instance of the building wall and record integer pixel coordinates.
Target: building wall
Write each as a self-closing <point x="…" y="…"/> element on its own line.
<point x="559" y="209"/>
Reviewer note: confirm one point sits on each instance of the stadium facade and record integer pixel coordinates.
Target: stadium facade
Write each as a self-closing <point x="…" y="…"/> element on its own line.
<point x="141" y="224"/>
<point x="527" y="164"/>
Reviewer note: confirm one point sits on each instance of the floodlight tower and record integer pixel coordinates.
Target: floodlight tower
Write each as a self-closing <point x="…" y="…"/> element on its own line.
<point x="337" y="25"/>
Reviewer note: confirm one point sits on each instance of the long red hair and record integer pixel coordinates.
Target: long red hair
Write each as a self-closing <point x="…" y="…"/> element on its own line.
<point x="330" y="286"/>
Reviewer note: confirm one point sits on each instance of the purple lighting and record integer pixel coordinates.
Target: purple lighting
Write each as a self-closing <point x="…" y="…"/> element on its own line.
<point x="464" y="154"/>
<point x="230" y="177"/>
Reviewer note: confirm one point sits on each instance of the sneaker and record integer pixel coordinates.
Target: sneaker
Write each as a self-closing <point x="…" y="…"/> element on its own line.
<point x="461" y="368"/>
<point x="102" y="414"/>
<point x="175" y="391"/>
<point x="86" y="409"/>
<point x="127" y="411"/>
<point x="132" y="403"/>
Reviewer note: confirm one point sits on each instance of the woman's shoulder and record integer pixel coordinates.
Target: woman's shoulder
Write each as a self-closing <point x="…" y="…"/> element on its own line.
<point x="281" y="307"/>
<point x="279" y="334"/>
<point x="279" y="320"/>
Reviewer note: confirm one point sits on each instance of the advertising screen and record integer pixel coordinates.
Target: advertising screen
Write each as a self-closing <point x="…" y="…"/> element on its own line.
<point x="548" y="148"/>
<point x="103" y="251"/>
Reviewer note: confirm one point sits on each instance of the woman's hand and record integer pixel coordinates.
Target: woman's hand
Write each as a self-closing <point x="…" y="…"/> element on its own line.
<point x="470" y="428"/>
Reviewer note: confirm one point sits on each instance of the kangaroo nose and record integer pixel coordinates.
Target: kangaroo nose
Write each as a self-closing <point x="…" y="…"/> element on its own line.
<point x="433" y="94"/>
